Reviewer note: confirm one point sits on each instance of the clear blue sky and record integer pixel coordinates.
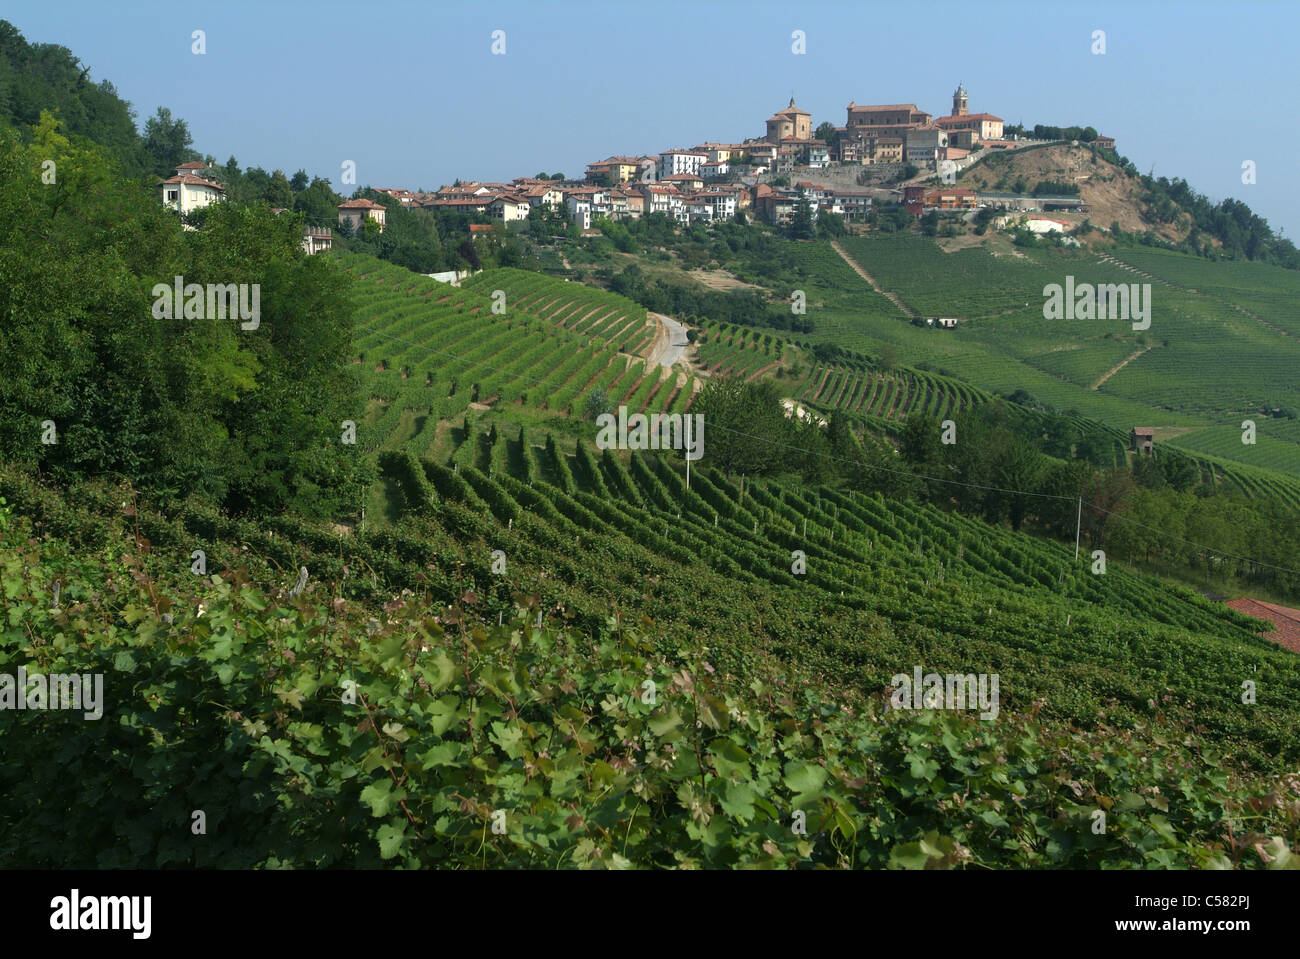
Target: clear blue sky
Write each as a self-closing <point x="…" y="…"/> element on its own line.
<point x="411" y="92"/>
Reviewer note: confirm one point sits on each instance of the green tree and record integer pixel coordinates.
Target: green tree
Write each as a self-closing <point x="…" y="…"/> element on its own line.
<point x="801" y="223"/>
<point x="278" y="191"/>
<point x="746" y="428"/>
<point x="167" y="142"/>
<point x="598" y="403"/>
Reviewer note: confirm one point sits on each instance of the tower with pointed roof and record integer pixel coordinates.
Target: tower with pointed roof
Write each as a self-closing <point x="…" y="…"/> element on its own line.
<point x="960" y="102"/>
<point x="792" y="123"/>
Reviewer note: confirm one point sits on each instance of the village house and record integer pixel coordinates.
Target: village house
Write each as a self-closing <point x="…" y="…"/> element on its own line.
<point x="739" y="195"/>
<point x="188" y="190"/>
<point x="597" y="198"/>
<point x="985" y="126"/>
<point x="812" y="191"/>
<point x="1143" y="440"/>
<point x="315" y="239"/>
<point x="680" y="161"/>
<point x="721" y="152"/>
<point x="922" y="145"/>
<point x="914" y="199"/>
<point x="617" y="169"/>
<point x="463" y="191"/>
<point x="579" y="211"/>
<point x="778" y="206"/>
<point x="475" y="206"/>
<point x="697" y="209"/>
<point x="543" y="195"/>
<point x="354" y="211"/>
<point x="509" y="208"/>
<point x="404" y="197"/>
<point x="761" y="153"/>
<point x="816" y="154"/>
<point x="722" y="206"/>
<point x="626" y="204"/>
<point x="853" y="204"/>
<point x="686" y="182"/>
<point x="658" y="198"/>
<point x="856" y="146"/>
<point x="950" y="198"/>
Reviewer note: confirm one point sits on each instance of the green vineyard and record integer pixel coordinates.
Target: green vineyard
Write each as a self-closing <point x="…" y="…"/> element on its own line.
<point x="429" y="353"/>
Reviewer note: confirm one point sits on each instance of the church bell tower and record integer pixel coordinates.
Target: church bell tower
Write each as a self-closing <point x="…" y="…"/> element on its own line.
<point x="960" y="102"/>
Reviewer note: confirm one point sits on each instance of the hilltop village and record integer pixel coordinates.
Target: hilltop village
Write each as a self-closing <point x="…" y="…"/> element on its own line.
<point x="885" y="155"/>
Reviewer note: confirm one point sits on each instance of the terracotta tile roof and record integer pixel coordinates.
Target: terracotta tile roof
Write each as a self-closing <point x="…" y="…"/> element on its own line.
<point x="886" y="108"/>
<point x="192" y="165"/>
<point x="1286" y="622"/>
<point x="1139" y="430"/>
<point x="360" y="205"/>
<point x="189" y="179"/>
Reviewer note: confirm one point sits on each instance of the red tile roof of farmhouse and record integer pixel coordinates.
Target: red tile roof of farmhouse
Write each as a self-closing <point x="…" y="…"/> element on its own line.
<point x="192" y="165"/>
<point x="360" y="205"/>
<point x="191" y="180"/>
<point x="480" y="227"/>
<point x="1286" y="622"/>
<point x="1142" y="430"/>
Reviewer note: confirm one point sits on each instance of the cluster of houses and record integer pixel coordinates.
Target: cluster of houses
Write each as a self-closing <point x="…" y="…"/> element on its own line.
<point x="713" y="181"/>
<point x="618" y="188"/>
<point x="189" y="189"/>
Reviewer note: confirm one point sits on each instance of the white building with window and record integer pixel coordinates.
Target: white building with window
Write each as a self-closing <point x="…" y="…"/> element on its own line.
<point x="509" y="209"/>
<point x="579" y="212"/>
<point x="187" y="190"/>
<point x="681" y="161"/>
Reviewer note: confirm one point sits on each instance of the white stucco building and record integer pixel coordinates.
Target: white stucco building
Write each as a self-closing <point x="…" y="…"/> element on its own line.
<point x="187" y="190"/>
